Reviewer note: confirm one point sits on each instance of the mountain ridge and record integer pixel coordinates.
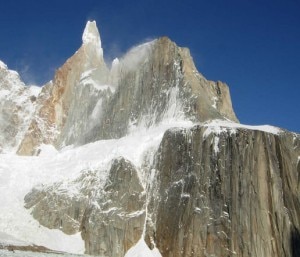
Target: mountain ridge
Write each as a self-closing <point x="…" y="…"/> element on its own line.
<point x="157" y="79"/>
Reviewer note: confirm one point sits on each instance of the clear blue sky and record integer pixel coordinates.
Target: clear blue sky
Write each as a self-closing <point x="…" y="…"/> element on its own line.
<point x="252" y="45"/>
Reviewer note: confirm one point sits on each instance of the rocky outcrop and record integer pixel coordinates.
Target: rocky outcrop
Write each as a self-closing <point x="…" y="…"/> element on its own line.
<point x="115" y="221"/>
<point x="231" y="194"/>
<point x="62" y="205"/>
<point x="17" y="104"/>
<point x="110" y="213"/>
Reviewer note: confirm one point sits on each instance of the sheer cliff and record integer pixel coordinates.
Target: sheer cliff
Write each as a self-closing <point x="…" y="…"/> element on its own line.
<point x="145" y="158"/>
<point x="233" y="193"/>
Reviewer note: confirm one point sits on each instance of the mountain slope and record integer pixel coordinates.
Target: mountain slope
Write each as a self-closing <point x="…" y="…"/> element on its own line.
<point x="146" y="158"/>
<point x="153" y="82"/>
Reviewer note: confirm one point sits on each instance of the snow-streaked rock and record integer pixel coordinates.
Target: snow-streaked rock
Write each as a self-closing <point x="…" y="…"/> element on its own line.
<point x="153" y="82"/>
<point x="65" y="102"/>
<point x="114" y="220"/>
<point x="239" y="200"/>
<point x="17" y="105"/>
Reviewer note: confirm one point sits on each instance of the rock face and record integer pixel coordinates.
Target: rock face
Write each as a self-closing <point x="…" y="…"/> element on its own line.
<point x="215" y="188"/>
<point x="232" y="194"/>
<point x="111" y="216"/>
<point x="17" y="104"/>
<point x="158" y="81"/>
<point x="61" y="96"/>
<point x="153" y="82"/>
<point x="119" y="212"/>
<point x="55" y="207"/>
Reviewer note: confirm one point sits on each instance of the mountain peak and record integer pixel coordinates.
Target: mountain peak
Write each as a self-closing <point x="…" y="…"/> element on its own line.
<point x="91" y="34"/>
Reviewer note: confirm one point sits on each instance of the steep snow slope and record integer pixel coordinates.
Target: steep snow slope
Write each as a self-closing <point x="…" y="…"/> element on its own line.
<point x="20" y="174"/>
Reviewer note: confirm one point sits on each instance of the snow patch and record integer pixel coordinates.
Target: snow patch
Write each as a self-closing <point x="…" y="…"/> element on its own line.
<point x="47" y="150"/>
<point x="6" y="239"/>
<point x="34" y="90"/>
<point x="115" y="63"/>
<point x="216" y="130"/>
<point x="4" y="93"/>
<point x="219" y="126"/>
<point x="141" y="249"/>
<point x="216" y="144"/>
<point x="7" y="253"/>
<point x="215" y="100"/>
<point x="197" y="210"/>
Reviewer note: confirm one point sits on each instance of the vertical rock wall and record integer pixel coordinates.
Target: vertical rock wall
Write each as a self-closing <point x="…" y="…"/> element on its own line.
<point x="232" y="194"/>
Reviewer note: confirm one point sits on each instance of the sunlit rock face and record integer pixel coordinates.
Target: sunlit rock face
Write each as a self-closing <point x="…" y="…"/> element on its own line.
<point x="152" y="83"/>
<point x="57" y="207"/>
<point x="158" y="82"/>
<point x="68" y="96"/>
<point x="114" y="221"/>
<point x="110" y="212"/>
<point x="235" y="193"/>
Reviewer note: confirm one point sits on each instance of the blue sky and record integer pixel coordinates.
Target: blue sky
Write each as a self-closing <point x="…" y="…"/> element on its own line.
<point x="252" y="45"/>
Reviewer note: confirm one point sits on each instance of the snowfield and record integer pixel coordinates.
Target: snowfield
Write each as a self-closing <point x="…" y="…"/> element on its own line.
<point x="6" y="253"/>
<point x="217" y="126"/>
